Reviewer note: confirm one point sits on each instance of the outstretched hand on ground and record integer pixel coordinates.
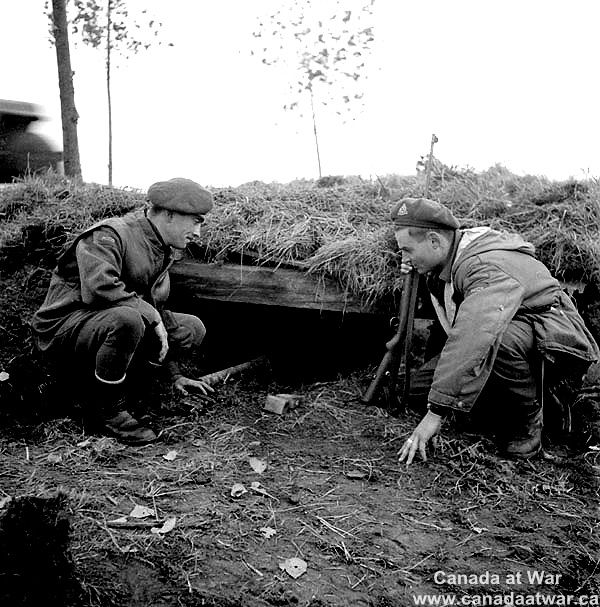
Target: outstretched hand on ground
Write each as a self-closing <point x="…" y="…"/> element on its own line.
<point x="418" y="440"/>
<point x="184" y="384"/>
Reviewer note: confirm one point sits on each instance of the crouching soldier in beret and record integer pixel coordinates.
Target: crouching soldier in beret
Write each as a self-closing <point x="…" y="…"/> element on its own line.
<point x="509" y="331"/>
<point x="105" y="303"/>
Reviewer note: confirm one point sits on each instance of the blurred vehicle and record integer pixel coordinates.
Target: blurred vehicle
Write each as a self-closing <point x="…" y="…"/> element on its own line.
<point x="22" y="151"/>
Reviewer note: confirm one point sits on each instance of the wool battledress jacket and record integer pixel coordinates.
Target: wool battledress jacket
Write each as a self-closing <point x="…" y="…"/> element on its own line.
<point x="121" y="261"/>
<point x="494" y="277"/>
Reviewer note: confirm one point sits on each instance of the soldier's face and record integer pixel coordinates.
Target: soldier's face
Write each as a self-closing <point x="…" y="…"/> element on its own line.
<point x="423" y="254"/>
<point x="182" y="229"/>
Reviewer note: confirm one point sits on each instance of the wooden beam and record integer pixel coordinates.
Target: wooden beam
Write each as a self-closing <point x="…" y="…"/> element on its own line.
<point x="263" y="285"/>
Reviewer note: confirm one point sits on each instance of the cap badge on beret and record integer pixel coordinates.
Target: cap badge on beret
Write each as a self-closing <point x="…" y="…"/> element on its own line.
<point x="422" y="213"/>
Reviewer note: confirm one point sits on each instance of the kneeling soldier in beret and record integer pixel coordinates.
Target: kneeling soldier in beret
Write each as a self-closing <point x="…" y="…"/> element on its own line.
<point x="511" y="335"/>
<point x="105" y="302"/>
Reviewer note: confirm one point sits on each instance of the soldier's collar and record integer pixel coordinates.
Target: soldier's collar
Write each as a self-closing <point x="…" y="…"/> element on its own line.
<point x="446" y="273"/>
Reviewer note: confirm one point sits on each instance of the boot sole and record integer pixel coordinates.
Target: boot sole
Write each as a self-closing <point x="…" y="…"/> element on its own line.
<point x="130" y="440"/>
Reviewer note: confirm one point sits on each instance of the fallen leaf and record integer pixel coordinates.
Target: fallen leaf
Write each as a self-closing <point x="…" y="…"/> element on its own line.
<point x="258" y="465"/>
<point x="84" y="443"/>
<point x="268" y="531"/>
<point x="238" y="490"/>
<point x="141" y="512"/>
<point x="4" y="501"/>
<point x="356" y="474"/>
<point x="170" y="456"/>
<point x="4" y="376"/>
<point x="168" y="525"/>
<point x="55" y="458"/>
<point x="294" y="567"/>
<point x="121" y="519"/>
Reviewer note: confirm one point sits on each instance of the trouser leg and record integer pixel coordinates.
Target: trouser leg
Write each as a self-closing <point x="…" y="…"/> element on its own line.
<point x="108" y="341"/>
<point x="145" y="376"/>
<point x="102" y="350"/>
<point x="185" y="332"/>
<point x="509" y="405"/>
<point x="420" y="384"/>
<point x="511" y="400"/>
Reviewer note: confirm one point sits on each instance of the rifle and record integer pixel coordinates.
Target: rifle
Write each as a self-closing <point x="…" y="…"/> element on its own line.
<point x="390" y="365"/>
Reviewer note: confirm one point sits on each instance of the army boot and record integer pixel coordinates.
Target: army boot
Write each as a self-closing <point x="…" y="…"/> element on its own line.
<point x="126" y="429"/>
<point x="525" y="438"/>
<point x="115" y="420"/>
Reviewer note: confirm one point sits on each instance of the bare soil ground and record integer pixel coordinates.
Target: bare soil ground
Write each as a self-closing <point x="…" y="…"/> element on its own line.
<point x="371" y="532"/>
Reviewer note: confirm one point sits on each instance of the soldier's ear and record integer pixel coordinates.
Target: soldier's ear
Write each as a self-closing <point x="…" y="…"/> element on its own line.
<point x="434" y="238"/>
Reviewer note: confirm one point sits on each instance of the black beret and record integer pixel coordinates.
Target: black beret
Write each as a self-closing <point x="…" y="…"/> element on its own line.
<point x="422" y="213"/>
<point x="180" y="195"/>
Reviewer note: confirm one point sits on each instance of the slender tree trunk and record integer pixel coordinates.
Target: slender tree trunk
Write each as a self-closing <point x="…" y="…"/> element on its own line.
<point x="314" y="119"/>
<point x="69" y="115"/>
<point x="108" y="45"/>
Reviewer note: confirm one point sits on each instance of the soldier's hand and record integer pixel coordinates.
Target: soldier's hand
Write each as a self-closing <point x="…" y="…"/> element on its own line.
<point x="183" y="384"/>
<point x="163" y="338"/>
<point x="418" y="440"/>
<point x="405" y="266"/>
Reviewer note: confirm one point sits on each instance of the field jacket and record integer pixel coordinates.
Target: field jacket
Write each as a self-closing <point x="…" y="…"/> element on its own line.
<point x="494" y="277"/>
<point x="121" y="261"/>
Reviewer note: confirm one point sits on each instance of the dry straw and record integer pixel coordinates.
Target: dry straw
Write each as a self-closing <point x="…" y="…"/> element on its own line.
<point x="339" y="229"/>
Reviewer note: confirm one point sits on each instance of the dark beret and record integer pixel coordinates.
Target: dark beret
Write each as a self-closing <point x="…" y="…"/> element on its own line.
<point x="180" y="195"/>
<point x="422" y="213"/>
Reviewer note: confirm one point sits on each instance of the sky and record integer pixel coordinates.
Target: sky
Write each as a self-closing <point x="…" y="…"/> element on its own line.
<point x="513" y="82"/>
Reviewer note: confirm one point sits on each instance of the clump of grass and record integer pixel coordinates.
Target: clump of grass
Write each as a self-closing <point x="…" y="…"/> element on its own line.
<point x="41" y="213"/>
<point x="364" y="263"/>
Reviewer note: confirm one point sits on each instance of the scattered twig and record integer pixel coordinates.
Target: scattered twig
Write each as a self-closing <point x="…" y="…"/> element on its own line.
<point x="259" y="573"/>
<point x="333" y="528"/>
<point x="425" y="524"/>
